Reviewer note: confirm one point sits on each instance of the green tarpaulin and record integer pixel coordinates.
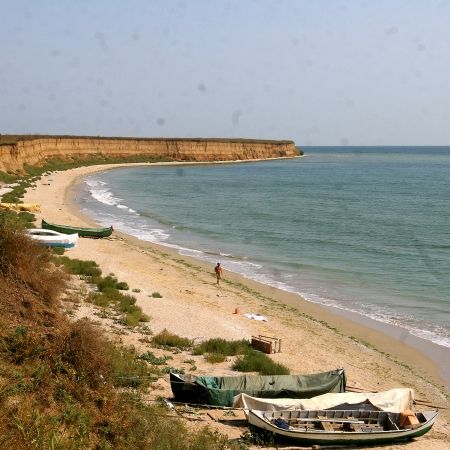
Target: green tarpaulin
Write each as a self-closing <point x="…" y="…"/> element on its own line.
<point x="219" y="391"/>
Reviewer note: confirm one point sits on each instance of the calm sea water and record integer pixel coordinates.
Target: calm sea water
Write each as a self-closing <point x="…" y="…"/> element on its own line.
<point x="362" y="229"/>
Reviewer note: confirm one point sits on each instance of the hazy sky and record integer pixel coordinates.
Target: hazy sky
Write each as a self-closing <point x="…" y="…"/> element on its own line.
<point x="320" y="72"/>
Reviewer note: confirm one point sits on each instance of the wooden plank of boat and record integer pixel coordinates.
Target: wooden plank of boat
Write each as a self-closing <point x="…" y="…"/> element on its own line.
<point x="375" y="429"/>
<point x="82" y="231"/>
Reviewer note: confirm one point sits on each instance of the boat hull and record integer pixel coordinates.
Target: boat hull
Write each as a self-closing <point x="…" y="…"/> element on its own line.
<point x="81" y="231"/>
<point x="51" y="238"/>
<point x="262" y="420"/>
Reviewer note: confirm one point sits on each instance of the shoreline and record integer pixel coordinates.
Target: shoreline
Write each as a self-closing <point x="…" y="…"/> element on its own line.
<point x="400" y="350"/>
<point x="430" y="352"/>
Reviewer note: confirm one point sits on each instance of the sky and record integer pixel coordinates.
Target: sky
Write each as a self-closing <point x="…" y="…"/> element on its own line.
<point x="319" y="72"/>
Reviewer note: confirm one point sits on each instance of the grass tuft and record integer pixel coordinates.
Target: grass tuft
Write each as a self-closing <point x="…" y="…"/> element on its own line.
<point x="167" y="339"/>
<point x="254" y="361"/>
<point x="221" y="346"/>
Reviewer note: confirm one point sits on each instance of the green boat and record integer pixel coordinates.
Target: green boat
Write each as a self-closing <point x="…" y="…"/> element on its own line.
<point x="220" y="391"/>
<point x="84" y="232"/>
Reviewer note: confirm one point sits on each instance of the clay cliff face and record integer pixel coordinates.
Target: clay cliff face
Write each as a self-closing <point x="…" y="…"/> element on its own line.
<point x="36" y="151"/>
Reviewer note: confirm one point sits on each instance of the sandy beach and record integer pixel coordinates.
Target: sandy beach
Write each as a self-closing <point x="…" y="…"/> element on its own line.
<point x="314" y="339"/>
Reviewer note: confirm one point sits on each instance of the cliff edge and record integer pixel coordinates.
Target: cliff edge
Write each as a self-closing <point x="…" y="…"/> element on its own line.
<point x="15" y="151"/>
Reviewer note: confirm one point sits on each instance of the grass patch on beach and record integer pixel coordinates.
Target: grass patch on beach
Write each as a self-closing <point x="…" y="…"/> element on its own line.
<point x="111" y="282"/>
<point x="7" y="177"/>
<point x="215" y="358"/>
<point x="109" y="287"/>
<point x="79" y="267"/>
<point x="221" y="346"/>
<point x="132" y="314"/>
<point x="254" y="361"/>
<point x="152" y="359"/>
<point x="167" y="339"/>
<point x="19" y="220"/>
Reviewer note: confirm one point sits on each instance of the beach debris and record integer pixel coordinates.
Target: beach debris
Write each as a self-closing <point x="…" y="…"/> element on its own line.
<point x="255" y="316"/>
<point x="266" y="344"/>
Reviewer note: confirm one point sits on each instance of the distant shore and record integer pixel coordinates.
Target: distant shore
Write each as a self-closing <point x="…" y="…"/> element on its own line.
<point x="314" y="338"/>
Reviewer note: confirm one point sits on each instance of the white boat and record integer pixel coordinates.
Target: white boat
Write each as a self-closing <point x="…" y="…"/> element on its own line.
<point x="50" y="238"/>
<point x="344" y="427"/>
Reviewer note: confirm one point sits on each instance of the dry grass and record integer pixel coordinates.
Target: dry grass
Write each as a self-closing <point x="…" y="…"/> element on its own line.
<point x="58" y="379"/>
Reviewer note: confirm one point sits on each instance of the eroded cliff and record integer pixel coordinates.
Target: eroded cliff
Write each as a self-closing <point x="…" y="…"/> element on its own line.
<point x="36" y="150"/>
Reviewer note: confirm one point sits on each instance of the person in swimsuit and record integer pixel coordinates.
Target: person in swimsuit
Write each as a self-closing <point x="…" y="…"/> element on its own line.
<point x="218" y="271"/>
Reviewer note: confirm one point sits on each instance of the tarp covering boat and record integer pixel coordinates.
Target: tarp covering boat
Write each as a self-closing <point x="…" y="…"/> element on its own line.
<point x="394" y="400"/>
<point x="220" y="391"/>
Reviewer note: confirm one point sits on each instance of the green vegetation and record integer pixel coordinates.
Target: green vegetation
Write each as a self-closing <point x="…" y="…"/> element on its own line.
<point x="58" y="250"/>
<point x="221" y="346"/>
<point x="111" y="282"/>
<point x="152" y="359"/>
<point x="132" y="314"/>
<point x="108" y="294"/>
<point x="214" y="358"/>
<point x="156" y="295"/>
<point x="79" y="267"/>
<point x="7" y="177"/>
<point x="254" y="361"/>
<point x="167" y="339"/>
<point x="63" y="385"/>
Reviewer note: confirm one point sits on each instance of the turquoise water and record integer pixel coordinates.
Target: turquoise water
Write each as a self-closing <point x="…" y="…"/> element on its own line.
<point x="362" y="229"/>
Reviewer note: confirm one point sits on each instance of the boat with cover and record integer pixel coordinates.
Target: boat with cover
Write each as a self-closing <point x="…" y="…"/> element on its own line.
<point x="51" y="238"/>
<point x="82" y="231"/>
<point x="220" y="391"/>
<point x="393" y="400"/>
<point x="336" y="427"/>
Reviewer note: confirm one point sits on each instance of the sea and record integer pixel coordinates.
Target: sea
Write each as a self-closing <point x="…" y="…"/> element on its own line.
<point x="359" y="229"/>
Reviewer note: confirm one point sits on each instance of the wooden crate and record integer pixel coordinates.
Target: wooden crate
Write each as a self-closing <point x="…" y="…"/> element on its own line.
<point x="266" y="344"/>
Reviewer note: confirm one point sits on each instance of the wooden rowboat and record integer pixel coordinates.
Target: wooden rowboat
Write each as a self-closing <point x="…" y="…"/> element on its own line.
<point x="337" y="427"/>
<point x="81" y="231"/>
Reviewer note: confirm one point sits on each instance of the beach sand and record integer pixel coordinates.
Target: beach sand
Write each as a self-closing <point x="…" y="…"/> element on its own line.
<point x="313" y="338"/>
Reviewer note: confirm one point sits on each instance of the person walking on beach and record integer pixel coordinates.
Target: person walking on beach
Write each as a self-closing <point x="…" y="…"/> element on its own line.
<point x="218" y="271"/>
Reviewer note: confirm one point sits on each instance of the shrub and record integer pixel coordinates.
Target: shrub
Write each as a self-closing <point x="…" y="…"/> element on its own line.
<point x="127" y="370"/>
<point x="215" y="358"/>
<point x="111" y="282"/>
<point x="152" y="359"/>
<point x="254" y="361"/>
<point x="156" y="295"/>
<point x="167" y="339"/>
<point x="22" y="260"/>
<point x="79" y="267"/>
<point x="222" y="347"/>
